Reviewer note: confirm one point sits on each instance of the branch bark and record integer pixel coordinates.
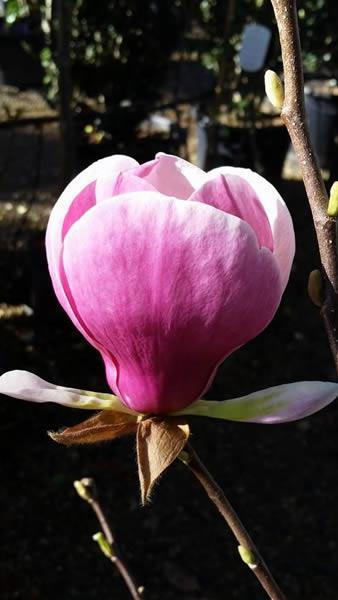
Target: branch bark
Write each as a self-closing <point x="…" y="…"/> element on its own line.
<point x="293" y="115"/>
<point x="251" y="555"/>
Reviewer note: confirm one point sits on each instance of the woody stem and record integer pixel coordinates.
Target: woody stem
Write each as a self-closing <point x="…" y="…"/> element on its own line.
<point x="293" y="115"/>
<point x="248" y="551"/>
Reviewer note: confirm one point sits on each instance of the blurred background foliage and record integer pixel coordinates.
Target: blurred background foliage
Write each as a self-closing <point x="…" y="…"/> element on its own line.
<point x="116" y="63"/>
<point x="120" y="48"/>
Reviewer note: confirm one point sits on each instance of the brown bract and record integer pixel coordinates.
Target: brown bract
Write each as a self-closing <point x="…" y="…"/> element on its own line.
<point x="106" y="425"/>
<point x="159" y="440"/>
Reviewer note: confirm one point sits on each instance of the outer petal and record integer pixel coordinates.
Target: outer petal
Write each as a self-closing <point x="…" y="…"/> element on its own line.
<point x="171" y="175"/>
<point x="168" y="292"/>
<point x="27" y="386"/>
<point x="76" y="199"/>
<point x="277" y="213"/>
<point x="279" y="404"/>
<point x="235" y="196"/>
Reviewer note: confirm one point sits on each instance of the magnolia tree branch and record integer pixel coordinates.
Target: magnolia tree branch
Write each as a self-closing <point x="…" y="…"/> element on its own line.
<point x="247" y="549"/>
<point x="293" y="115"/>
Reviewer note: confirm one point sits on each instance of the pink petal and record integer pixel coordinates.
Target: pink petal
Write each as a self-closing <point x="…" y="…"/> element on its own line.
<point x="76" y="199"/>
<point x="235" y="196"/>
<point x="113" y="184"/>
<point x="276" y="212"/>
<point x="171" y="175"/>
<point x="168" y="292"/>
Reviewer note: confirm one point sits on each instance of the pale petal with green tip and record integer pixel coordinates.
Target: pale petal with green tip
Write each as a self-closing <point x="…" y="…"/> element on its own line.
<point x="279" y="404"/>
<point x="27" y="386"/>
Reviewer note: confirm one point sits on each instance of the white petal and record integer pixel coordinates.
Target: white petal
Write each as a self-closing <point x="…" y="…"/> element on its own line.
<point x="279" y="404"/>
<point x="27" y="386"/>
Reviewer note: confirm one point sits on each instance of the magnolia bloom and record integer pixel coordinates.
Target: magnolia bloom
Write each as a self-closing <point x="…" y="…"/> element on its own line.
<point x="166" y="270"/>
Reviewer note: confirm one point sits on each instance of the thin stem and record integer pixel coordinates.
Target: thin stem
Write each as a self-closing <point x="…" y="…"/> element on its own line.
<point x="293" y="115"/>
<point x="102" y="520"/>
<point x="92" y="499"/>
<point x="217" y="496"/>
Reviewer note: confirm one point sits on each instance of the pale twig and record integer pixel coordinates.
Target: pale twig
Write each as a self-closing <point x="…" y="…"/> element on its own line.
<point x="87" y="491"/>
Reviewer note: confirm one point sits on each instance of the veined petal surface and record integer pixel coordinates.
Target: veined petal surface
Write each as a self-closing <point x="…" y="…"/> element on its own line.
<point x="169" y="288"/>
<point x="77" y="198"/>
<point x="276" y="212"/>
<point x="235" y="196"/>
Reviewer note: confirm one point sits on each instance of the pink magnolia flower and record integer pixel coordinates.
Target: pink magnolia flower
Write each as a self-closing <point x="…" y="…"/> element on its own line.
<point x="166" y="270"/>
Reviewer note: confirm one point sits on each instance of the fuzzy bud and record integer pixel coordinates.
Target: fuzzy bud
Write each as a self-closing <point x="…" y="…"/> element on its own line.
<point x="84" y="488"/>
<point x="314" y="287"/>
<point x="332" y="209"/>
<point x="248" y="557"/>
<point x="274" y="89"/>
<point x="104" y="545"/>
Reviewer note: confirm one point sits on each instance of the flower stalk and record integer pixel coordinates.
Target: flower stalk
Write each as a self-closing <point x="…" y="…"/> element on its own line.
<point x="246" y="547"/>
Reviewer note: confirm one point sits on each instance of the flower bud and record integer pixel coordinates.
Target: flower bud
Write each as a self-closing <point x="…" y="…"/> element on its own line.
<point x="248" y="557"/>
<point x="274" y="89"/>
<point x="314" y="287"/>
<point x="104" y="545"/>
<point x="332" y="209"/>
<point x="84" y="488"/>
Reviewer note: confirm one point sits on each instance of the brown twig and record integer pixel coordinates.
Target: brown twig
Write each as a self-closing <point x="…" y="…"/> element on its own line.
<point x="293" y="115"/>
<point x="248" y="551"/>
<point x="87" y="490"/>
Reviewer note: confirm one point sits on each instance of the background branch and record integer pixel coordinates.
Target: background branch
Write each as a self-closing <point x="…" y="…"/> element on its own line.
<point x="86" y="489"/>
<point x="293" y="115"/>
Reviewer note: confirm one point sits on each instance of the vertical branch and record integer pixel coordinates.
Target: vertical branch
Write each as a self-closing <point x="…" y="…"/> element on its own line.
<point x="63" y="13"/>
<point x="293" y="115"/>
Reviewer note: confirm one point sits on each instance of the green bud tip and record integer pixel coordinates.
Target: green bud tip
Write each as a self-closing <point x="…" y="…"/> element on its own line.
<point x="104" y="545"/>
<point x="83" y="488"/>
<point x="274" y="89"/>
<point x="248" y="557"/>
<point x="315" y="287"/>
<point x="332" y="209"/>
